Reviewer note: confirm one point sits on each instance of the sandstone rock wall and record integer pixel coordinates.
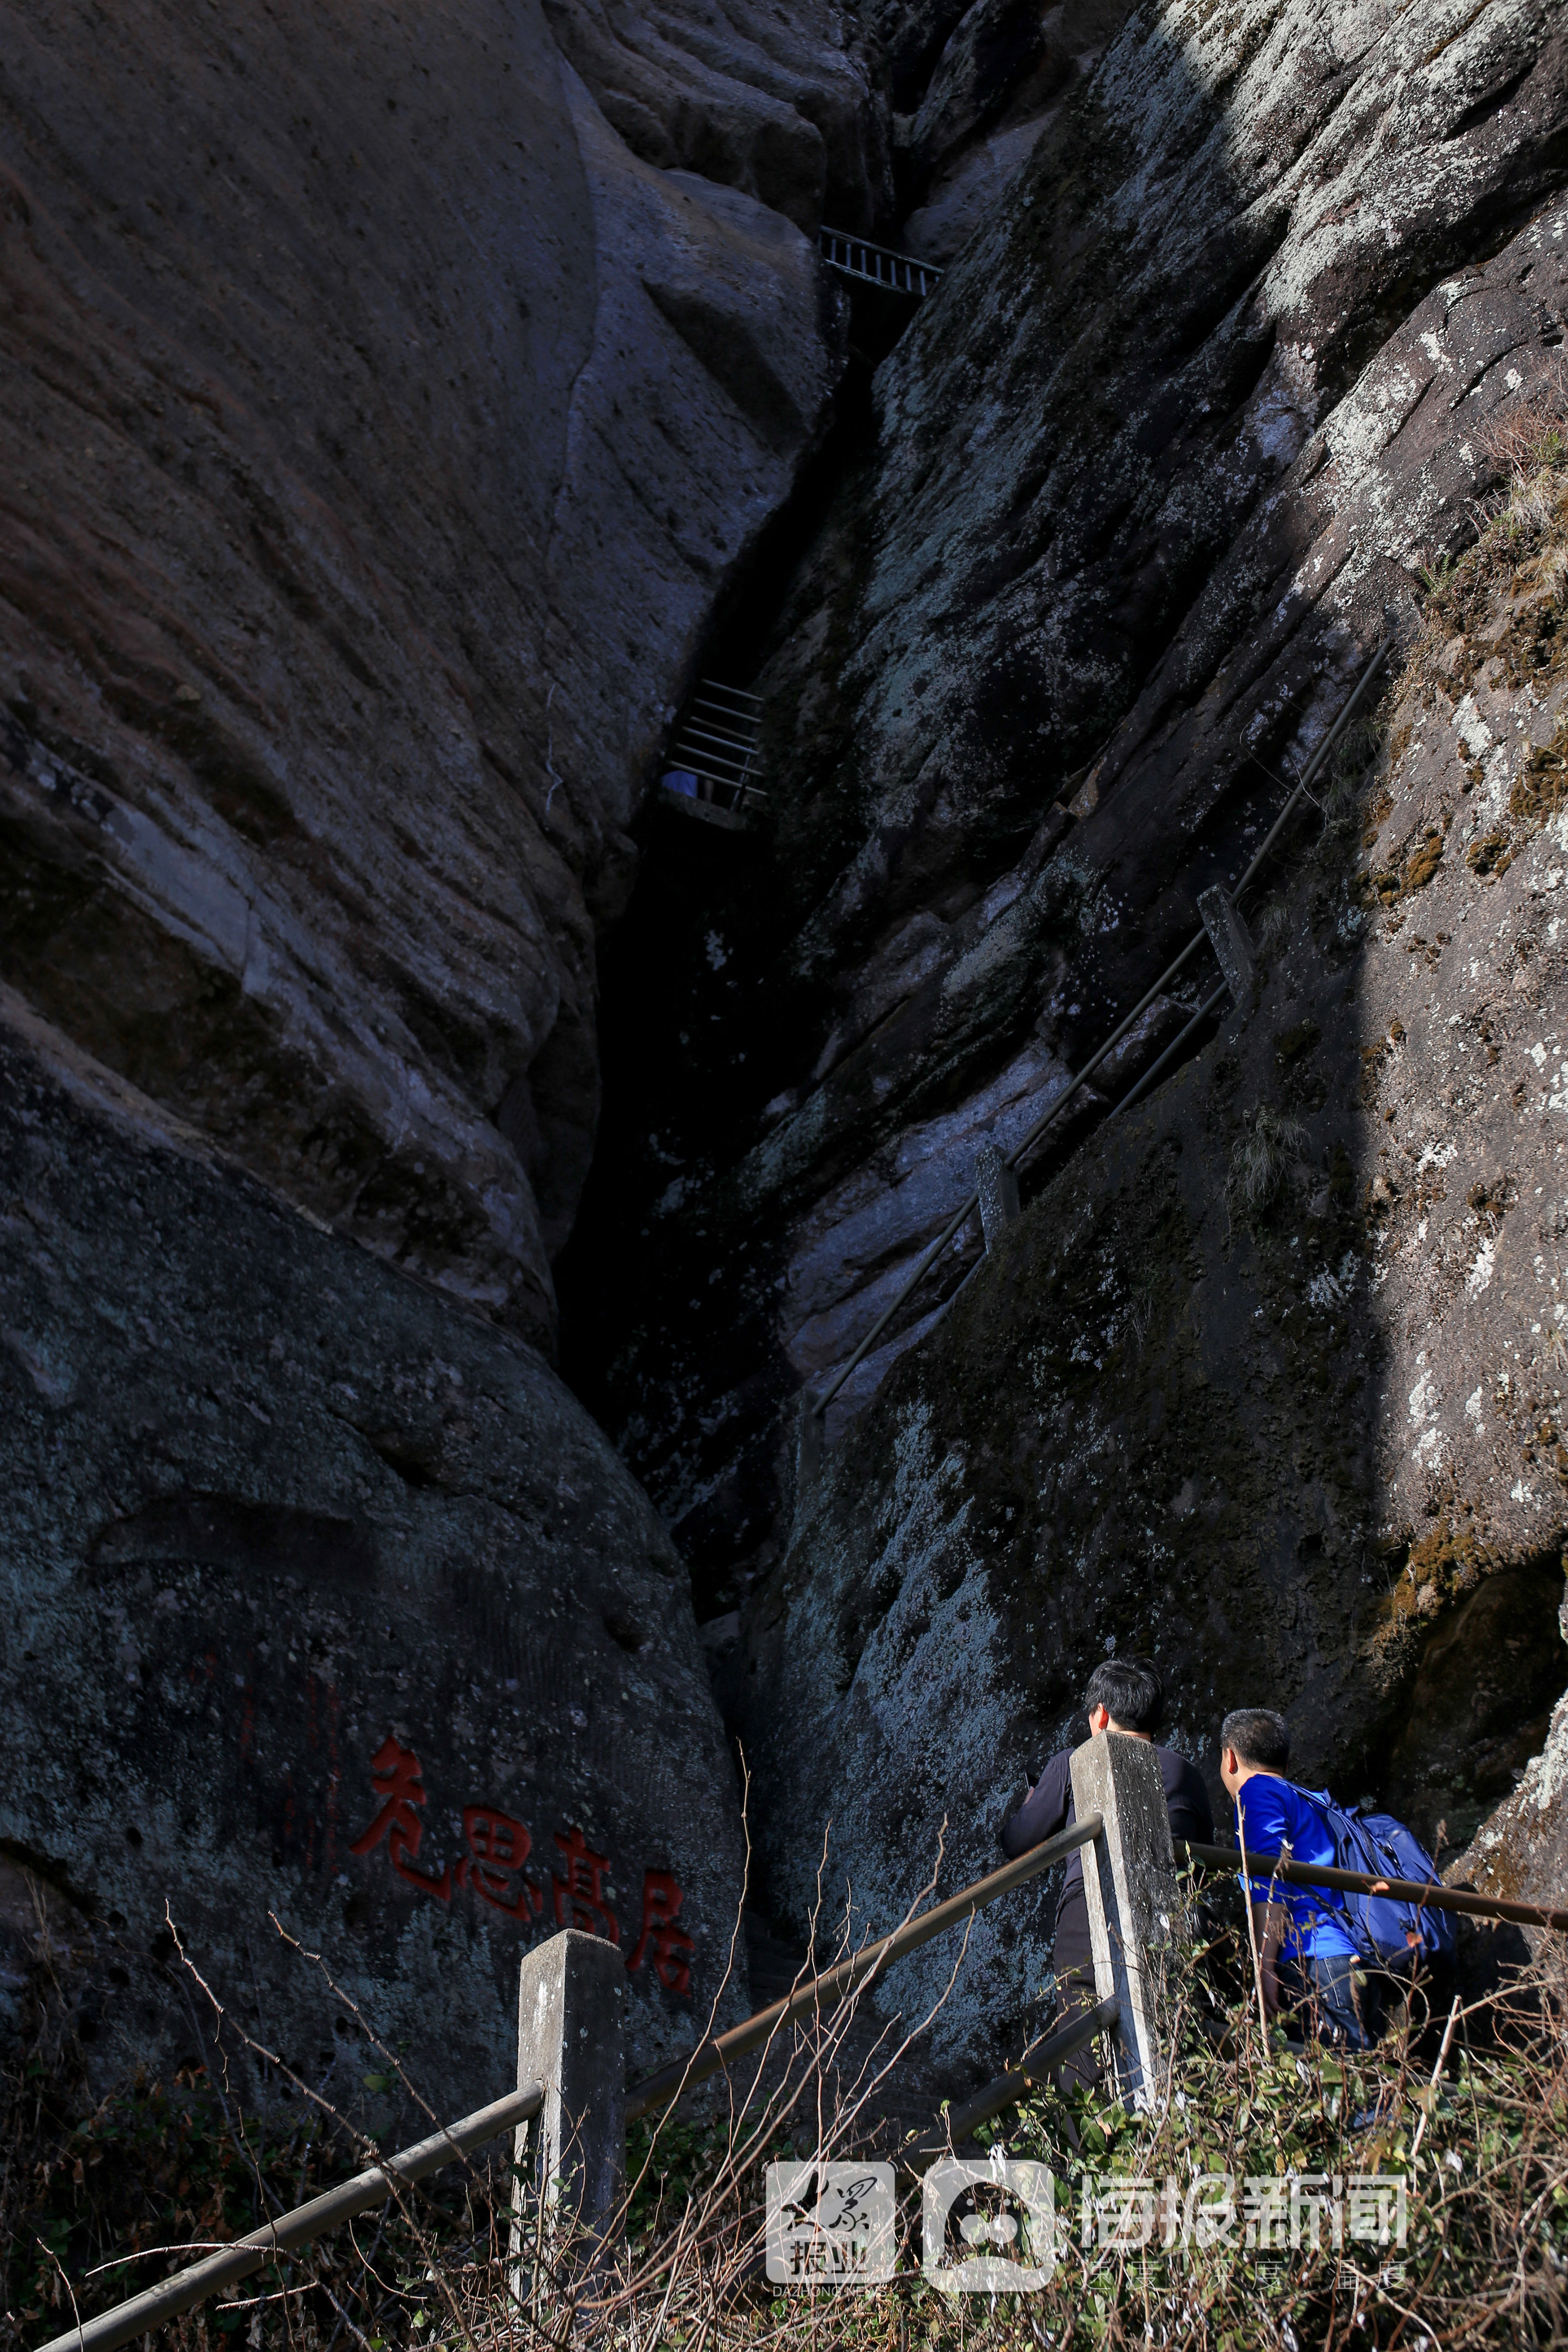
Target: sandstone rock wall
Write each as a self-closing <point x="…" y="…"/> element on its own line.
<point x="390" y="410"/>
<point x="326" y="1613"/>
<point x="1520" y="1854"/>
<point x="780" y="104"/>
<point x="377" y="431"/>
<point x="1004" y="76"/>
<point x="1269" y="1383"/>
<point x="1185" y="416"/>
<point x="1085" y="458"/>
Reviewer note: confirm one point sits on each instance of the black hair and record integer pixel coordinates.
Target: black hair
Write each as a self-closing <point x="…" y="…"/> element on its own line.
<point x="1258" y="1737"/>
<point x="1130" y="1691"/>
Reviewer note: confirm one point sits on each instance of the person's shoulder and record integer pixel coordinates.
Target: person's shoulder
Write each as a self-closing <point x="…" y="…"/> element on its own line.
<point x="1303" y="1804"/>
<point x="1265" y="1799"/>
<point x="1178" y="1772"/>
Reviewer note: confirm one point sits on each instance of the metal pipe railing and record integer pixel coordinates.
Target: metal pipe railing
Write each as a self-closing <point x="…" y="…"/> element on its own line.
<point x="292" y="2231"/>
<point x="857" y="258"/>
<point x="1008" y="2089"/>
<point x="1429" y="1892"/>
<point x="1059" y="1102"/>
<point x="1156" y="1070"/>
<point x="835" y="1983"/>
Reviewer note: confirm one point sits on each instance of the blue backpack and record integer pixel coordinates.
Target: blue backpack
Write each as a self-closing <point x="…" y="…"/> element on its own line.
<point x="1388" y="1931"/>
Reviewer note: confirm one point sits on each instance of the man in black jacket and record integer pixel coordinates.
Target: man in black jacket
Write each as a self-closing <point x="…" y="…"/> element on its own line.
<point x="1124" y="1695"/>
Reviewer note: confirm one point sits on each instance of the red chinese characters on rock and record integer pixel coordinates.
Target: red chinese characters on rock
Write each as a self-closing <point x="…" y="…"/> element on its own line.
<point x="498" y="1849"/>
<point x="579" y="1896"/>
<point x="398" y="1782"/>
<point x="661" y="1901"/>
<point x="498" y="1846"/>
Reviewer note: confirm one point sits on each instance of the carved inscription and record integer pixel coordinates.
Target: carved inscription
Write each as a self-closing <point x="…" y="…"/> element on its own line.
<point x="498" y="1846"/>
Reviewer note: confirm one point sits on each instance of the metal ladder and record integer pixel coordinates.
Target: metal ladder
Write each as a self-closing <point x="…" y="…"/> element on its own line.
<point x="715" y="744"/>
<point x="875" y="265"/>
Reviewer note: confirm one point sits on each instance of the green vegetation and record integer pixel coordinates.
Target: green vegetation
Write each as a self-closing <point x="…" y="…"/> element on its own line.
<point x="1160" y="2235"/>
<point x="101" y="2199"/>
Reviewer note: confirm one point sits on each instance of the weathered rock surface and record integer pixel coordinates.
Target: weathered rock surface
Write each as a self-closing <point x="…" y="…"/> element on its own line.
<point x="377" y="431"/>
<point x="1270" y="1382"/>
<point x="1000" y="81"/>
<point x="1182" y="421"/>
<point x="322" y="1598"/>
<point x="1521" y="1853"/>
<point x="390" y="411"/>
<point x="779" y="104"/>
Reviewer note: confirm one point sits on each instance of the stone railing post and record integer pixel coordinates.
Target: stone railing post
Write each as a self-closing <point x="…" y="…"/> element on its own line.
<point x="1130" y="1880"/>
<point x="999" y="1190"/>
<point x="571" y="2002"/>
<point x="1231" y="941"/>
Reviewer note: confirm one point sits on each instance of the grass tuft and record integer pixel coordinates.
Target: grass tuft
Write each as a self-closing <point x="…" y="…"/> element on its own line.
<point x="1263" y="1160"/>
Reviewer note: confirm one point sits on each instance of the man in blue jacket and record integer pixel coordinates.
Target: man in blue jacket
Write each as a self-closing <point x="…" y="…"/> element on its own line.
<point x="1304" y="1949"/>
<point x="1126" y="1696"/>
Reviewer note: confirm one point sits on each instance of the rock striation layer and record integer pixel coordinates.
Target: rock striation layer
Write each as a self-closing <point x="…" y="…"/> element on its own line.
<point x="327" y="1614"/>
<point x="377" y="431"/>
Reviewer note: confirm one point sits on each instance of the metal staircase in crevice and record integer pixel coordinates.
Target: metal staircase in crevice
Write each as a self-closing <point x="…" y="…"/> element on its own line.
<point x="709" y="772"/>
<point x="877" y="265"/>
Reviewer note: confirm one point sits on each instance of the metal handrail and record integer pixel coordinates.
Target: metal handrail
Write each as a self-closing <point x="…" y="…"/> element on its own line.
<point x="717" y="742"/>
<point x="291" y="2230"/>
<point x="709" y="2057"/>
<point x="730" y="712"/>
<point x="1058" y="1102"/>
<point x="1157" y="1069"/>
<point x="1008" y="2089"/>
<point x="701" y="723"/>
<point x="687" y="755"/>
<point x="707" y="737"/>
<point x="229" y="2264"/>
<point x="1430" y="1893"/>
<point x="835" y="1983"/>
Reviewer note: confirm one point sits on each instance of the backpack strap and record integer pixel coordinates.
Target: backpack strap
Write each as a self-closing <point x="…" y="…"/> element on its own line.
<point x="1347" y="1909"/>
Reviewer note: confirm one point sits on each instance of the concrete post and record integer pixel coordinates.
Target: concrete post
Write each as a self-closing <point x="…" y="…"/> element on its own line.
<point x="1231" y="941"/>
<point x="1129" y="1878"/>
<point x="809" y="1425"/>
<point x="571" y="2001"/>
<point x="999" y="1190"/>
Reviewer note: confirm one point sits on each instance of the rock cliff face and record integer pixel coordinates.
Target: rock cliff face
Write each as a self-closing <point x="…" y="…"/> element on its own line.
<point x="1522" y="1854"/>
<point x="1185" y="416"/>
<point x="1269" y="1383"/>
<point x="1266" y="329"/>
<point x="1005" y="74"/>
<point x="321" y="1600"/>
<point x="778" y="103"/>
<point x="377" y="430"/>
<point x="392" y="413"/>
